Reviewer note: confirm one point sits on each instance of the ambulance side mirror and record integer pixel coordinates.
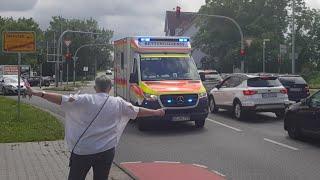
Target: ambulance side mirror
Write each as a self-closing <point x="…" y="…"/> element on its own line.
<point x="133" y="78"/>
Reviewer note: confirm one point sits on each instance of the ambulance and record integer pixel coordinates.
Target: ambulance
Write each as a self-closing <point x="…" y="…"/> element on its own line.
<point x="159" y="72"/>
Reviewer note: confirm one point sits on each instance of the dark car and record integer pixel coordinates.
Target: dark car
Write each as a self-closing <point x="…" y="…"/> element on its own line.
<point x="35" y="81"/>
<point x="303" y="118"/>
<point x="297" y="87"/>
<point x="210" y="78"/>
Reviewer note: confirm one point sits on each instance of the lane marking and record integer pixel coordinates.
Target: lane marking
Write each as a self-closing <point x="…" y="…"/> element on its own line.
<point x="217" y="172"/>
<point x="280" y="144"/>
<point x="199" y="165"/>
<point x="166" y="162"/>
<point x="227" y="126"/>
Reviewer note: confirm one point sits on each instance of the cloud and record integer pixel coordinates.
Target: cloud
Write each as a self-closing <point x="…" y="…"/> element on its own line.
<point x="17" y="5"/>
<point x="124" y="17"/>
<point x="314" y="3"/>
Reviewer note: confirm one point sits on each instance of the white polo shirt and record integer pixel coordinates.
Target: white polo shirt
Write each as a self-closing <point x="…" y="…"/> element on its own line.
<point x="105" y="131"/>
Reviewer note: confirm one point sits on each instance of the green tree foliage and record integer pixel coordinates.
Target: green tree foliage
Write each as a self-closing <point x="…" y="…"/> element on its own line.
<point x="99" y="56"/>
<point x="21" y="24"/>
<point x="259" y="19"/>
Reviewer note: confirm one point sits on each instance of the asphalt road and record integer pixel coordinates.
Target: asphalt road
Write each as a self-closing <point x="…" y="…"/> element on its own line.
<point x="257" y="148"/>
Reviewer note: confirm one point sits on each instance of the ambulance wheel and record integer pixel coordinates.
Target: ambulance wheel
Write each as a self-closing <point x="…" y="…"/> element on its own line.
<point x="143" y="125"/>
<point x="199" y="123"/>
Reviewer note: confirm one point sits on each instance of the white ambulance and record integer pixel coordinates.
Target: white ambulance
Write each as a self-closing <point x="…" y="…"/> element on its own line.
<point x="159" y="72"/>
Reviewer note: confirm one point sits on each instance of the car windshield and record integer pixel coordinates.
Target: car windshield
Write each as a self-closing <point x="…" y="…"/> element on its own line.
<point x="286" y="81"/>
<point x="263" y="82"/>
<point x="213" y="77"/>
<point x="168" y="68"/>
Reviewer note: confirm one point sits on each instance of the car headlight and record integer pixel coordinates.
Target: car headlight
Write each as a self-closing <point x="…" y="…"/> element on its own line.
<point x="203" y="95"/>
<point x="150" y="97"/>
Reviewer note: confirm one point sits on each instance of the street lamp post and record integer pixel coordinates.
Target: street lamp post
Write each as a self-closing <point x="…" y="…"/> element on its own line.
<point x="264" y="55"/>
<point x="75" y="58"/>
<point x="235" y="23"/>
<point x="60" y="49"/>
<point x="293" y="37"/>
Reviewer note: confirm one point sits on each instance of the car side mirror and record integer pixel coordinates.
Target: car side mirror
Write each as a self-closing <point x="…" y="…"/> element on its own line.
<point x="2" y="81"/>
<point x="202" y="77"/>
<point x="133" y="78"/>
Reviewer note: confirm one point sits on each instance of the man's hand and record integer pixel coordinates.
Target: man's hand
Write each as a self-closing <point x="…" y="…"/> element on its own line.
<point x="160" y="112"/>
<point x="29" y="91"/>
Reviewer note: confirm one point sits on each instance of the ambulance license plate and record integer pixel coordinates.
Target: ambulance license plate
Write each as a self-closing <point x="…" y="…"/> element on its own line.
<point x="180" y="118"/>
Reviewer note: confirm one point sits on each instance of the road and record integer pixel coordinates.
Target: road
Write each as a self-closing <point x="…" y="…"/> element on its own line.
<point x="257" y="148"/>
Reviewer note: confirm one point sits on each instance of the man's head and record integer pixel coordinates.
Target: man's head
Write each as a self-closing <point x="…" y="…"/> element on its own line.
<point x="103" y="84"/>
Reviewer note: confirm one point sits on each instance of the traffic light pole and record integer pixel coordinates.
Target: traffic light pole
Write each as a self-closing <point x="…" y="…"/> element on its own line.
<point x="60" y="49"/>
<point x="75" y="58"/>
<point x="235" y="23"/>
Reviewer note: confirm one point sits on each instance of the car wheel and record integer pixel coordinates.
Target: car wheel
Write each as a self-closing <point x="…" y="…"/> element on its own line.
<point x="237" y="111"/>
<point x="199" y="123"/>
<point x="294" y="131"/>
<point x="212" y="105"/>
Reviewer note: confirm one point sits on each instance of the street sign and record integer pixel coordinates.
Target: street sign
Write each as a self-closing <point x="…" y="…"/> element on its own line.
<point x="85" y="68"/>
<point x="67" y="42"/>
<point x="18" y="42"/>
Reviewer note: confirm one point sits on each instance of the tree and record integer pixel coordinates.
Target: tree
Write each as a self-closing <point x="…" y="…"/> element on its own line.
<point x="259" y="19"/>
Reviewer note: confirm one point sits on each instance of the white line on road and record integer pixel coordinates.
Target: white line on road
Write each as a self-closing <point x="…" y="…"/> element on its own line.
<point x="281" y="144"/>
<point x="227" y="126"/>
<point x="166" y="162"/>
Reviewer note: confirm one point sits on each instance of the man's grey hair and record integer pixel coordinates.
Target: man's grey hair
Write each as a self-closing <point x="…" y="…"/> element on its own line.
<point x="103" y="83"/>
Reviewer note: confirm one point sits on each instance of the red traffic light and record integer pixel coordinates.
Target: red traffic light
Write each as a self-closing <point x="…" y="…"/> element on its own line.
<point x="68" y="56"/>
<point x="178" y="11"/>
<point x="242" y="52"/>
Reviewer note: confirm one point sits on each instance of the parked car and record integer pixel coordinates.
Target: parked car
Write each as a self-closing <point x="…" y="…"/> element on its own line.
<point x="303" y="118"/>
<point x="210" y="78"/>
<point x="9" y="85"/>
<point x="35" y="81"/>
<point x="108" y="72"/>
<point x="297" y="87"/>
<point x="244" y="93"/>
<point x="49" y="78"/>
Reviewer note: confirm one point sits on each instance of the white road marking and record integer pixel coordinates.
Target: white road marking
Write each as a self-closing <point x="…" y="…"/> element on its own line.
<point x="219" y="173"/>
<point x="227" y="126"/>
<point x="202" y="166"/>
<point x="280" y="144"/>
<point x="166" y="162"/>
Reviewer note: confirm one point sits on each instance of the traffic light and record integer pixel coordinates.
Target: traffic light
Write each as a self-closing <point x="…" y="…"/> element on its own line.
<point x="68" y="56"/>
<point x="242" y="52"/>
<point x="60" y="66"/>
<point x="178" y="11"/>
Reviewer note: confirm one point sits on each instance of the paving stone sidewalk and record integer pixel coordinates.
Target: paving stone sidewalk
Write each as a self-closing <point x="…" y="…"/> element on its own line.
<point x="46" y="160"/>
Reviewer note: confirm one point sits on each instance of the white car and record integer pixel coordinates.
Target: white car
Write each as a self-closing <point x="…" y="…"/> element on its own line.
<point x="9" y="85"/>
<point x="243" y="93"/>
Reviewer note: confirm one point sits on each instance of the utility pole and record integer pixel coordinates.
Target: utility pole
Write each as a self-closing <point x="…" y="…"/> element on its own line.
<point x="264" y="55"/>
<point x="293" y="37"/>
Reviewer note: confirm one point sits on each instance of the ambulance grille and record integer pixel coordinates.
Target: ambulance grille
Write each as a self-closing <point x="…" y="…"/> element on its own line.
<point x="179" y="100"/>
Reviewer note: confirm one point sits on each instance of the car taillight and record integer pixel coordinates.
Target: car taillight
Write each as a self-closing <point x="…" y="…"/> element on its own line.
<point x="249" y="92"/>
<point x="284" y="91"/>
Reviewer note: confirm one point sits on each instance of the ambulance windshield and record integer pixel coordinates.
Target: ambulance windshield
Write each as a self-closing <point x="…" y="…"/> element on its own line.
<point x="168" y="68"/>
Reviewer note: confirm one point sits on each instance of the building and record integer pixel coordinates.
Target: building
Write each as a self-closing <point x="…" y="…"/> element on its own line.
<point x="184" y="25"/>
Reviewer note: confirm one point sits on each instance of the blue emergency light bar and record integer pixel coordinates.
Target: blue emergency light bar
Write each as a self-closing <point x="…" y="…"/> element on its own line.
<point x="147" y="39"/>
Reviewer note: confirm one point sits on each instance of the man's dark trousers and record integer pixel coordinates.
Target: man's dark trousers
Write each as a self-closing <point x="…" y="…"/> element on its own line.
<point x="100" y="163"/>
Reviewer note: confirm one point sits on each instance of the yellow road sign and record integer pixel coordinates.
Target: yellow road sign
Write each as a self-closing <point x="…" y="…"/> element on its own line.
<point x="19" y="41"/>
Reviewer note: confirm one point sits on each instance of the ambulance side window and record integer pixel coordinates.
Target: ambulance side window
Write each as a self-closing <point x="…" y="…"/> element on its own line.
<point x="122" y="60"/>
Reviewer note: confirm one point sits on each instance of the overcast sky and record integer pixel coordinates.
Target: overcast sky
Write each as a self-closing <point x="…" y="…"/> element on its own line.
<point x="124" y="17"/>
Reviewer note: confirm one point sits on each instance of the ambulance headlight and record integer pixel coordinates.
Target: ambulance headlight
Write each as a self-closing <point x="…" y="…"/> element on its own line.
<point x="203" y="95"/>
<point x="150" y="97"/>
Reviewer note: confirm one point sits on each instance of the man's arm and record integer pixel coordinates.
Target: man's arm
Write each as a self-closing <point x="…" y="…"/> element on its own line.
<point x="143" y="112"/>
<point x="51" y="97"/>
